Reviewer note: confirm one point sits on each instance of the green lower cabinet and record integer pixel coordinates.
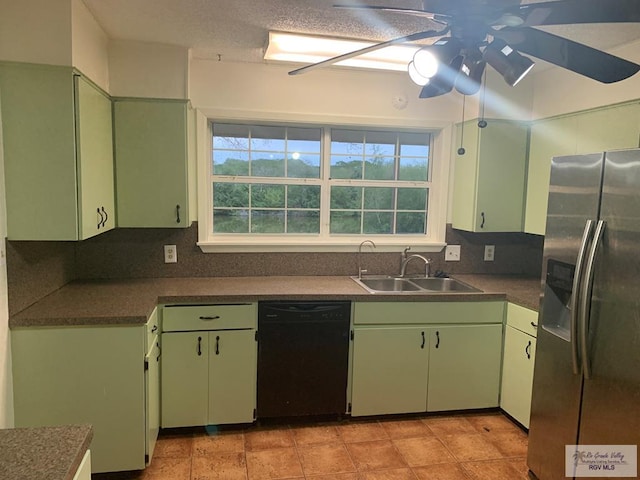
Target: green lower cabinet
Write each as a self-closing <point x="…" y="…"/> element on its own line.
<point x="89" y="374"/>
<point x="208" y="377"/>
<point x="389" y="370"/>
<point x="464" y="367"/>
<point x="517" y="374"/>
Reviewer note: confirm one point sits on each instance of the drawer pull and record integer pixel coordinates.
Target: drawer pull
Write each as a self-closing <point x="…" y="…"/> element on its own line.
<point x="534" y="324"/>
<point x="527" y="350"/>
<point x="215" y="317"/>
<point x="199" y="346"/>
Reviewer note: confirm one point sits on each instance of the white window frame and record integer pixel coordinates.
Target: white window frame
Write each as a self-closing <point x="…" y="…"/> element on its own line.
<point x="432" y="241"/>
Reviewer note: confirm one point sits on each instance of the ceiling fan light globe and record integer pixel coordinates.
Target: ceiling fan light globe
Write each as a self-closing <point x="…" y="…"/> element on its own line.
<point x="415" y="76"/>
<point x="507" y="62"/>
<point x="519" y="70"/>
<point x="425" y="63"/>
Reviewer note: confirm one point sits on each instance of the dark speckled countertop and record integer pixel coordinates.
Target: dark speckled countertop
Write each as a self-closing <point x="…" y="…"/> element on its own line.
<point x="52" y="453"/>
<point x="131" y="301"/>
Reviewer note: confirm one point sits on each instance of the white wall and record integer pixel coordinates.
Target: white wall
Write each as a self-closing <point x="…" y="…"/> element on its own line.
<point x="151" y="70"/>
<point x="6" y="384"/>
<point x="36" y="31"/>
<point x="89" y="48"/>
<point x="558" y="91"/>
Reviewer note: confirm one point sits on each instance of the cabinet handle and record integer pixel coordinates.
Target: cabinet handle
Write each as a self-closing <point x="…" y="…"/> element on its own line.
<point x="106" y="217"/>
<point x="527" y="349"/>
<point x="437" y="339"/>
<point x="215" y="317"/>
<point x="482" y="216"/>
<point x="177" y="213"/>
<point x="159" y="351"/>
<point x="154" y="329"/>
<point x="217" y="345"/>
<point x="534" y="324"/>
<point x="101" y="218"/>
<point x="199" y="346"/>
<point x="422" y="346"/>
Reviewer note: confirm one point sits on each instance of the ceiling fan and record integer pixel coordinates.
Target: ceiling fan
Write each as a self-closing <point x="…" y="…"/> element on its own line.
<point x="474" y="33"/>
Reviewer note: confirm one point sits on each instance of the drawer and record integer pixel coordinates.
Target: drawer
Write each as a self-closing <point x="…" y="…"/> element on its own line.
<point x="152" y="327"/>
<point x="390" y="313"/>
<point x="177" y="318"/>
<point x="522" y="318"/>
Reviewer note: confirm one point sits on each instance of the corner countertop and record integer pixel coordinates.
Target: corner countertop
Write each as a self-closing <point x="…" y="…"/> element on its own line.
<point x="131" y="301"/>
<point x="53" y="453"/>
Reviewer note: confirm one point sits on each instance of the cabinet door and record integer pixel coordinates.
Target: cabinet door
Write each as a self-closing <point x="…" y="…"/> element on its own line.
<point x="389" y="370"/>
<point x="184" y="379"/>
<point x="517" y="374"/>
<point x="152" y="396"/>
<point x="464" y="367"/>
<point x="95" y="159"/>
<point x="232" y="376"/>
<point x="151" y="162"/>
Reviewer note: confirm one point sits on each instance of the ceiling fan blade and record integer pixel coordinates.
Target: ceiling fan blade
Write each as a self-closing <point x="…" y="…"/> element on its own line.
<point x="408" y="11"/>
<point x="565" y="53"/>
<point x="565" y="12"/>
<point x="408" y="38"/>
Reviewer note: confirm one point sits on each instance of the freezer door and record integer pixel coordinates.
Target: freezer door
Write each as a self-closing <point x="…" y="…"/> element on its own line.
<point x="611" y="396"/>
<point x="574" y="197"/>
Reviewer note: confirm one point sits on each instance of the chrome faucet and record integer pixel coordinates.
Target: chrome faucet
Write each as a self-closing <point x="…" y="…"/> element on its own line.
<point x="360" y="270"/>
<point x="406" y="260"/>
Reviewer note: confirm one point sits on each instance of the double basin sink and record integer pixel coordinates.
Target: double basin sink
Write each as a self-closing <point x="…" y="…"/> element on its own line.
<point x="413" y="285"/>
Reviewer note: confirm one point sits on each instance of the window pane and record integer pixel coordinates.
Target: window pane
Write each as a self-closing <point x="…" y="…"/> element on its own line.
<point x="303" y="140"/>
<point x="414" y="144"/>
<point x="380" y="143"/>
<point x="346" y="198"/>
<point x="345" y="222"/>
<point x="230" y="221"/>
<point x="377" y="222"/>
<point x="379" y="168"/>
<point x="347" y="142"/>
<point x="264" y="164"/>
<point x="230" y="162"/>
<point x="232" y="137"/>
<point x="303" y="166"/>
<point x="412" y="198"/>
<point x="407" y="222"/>
<point x="415" y="169"/>
<point x="303" y="196"/>
<point x="378" y="198"/>
<point x="267" y="221"/>
<point x="267" y="138"/>
<point x="267" y="196"/>
<point x="346" y="167"/>
<point x="230" y="194"/>
<point x="303" y="221"/>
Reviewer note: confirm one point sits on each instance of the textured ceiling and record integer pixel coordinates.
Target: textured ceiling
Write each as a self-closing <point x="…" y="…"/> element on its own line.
<point x="238" y="29"/>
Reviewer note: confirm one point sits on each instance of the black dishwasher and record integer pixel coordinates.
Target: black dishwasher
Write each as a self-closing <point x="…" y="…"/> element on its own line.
<point x="303" y="354"/>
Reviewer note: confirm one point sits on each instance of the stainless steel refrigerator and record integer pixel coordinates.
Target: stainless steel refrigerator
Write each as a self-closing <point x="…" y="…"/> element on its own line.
<point x="586" y="386"/>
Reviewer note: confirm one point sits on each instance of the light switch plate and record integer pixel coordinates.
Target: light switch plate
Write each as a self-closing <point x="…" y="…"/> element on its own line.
<point x="170" y="254"/>
<point x="452" y="253"/>
<point x="489" y="252"/>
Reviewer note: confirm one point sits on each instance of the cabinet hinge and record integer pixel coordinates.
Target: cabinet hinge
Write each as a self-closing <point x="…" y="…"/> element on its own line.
<point x="146" y="364"/>
<point x="255" y="414"/>
<point x="349" y="407"/>
<point x="256" y="335"/>
<point x="146" y="459"/>
<point x="351" y="335"/>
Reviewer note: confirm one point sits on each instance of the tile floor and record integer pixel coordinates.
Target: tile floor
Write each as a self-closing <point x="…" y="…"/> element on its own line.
<point x="486" y="446"/>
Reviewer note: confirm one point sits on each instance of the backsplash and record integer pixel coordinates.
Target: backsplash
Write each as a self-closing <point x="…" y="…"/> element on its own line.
<point x="36" y="269"/>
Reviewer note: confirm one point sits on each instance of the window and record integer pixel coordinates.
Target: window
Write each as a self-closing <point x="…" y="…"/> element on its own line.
<point x="318" y="185"/>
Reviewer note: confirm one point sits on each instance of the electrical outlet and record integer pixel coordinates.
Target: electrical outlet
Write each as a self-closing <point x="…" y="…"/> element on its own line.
<point x="489" y="252"/>
<point x="170" y="254"/>
<point x="452" y="253"/>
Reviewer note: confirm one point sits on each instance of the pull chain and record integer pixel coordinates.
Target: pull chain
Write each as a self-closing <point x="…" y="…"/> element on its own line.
<point x="482" y="122"/>
<point x="461" y="150"/>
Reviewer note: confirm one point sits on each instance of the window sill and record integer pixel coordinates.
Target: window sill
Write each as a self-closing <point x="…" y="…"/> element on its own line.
<point x="303" y="245"/>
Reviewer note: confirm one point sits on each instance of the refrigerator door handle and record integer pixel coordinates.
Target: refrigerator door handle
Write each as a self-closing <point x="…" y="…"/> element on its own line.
<point x="576" y="288"/>
<point x="585" y="299"/>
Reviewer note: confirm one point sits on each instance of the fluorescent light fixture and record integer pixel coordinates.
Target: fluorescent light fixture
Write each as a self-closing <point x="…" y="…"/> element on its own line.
<point x="299" y="48"/>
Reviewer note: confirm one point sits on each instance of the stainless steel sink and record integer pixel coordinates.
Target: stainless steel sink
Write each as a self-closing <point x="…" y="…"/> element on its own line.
<point x="407" y="286"/>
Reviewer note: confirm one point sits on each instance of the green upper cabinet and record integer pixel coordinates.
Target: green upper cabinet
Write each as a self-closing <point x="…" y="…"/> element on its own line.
<point x="609" y="128"/>
<point x="153" y="154"/>
<point x="58" y="153"/>
<point x="489" y="179"/>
